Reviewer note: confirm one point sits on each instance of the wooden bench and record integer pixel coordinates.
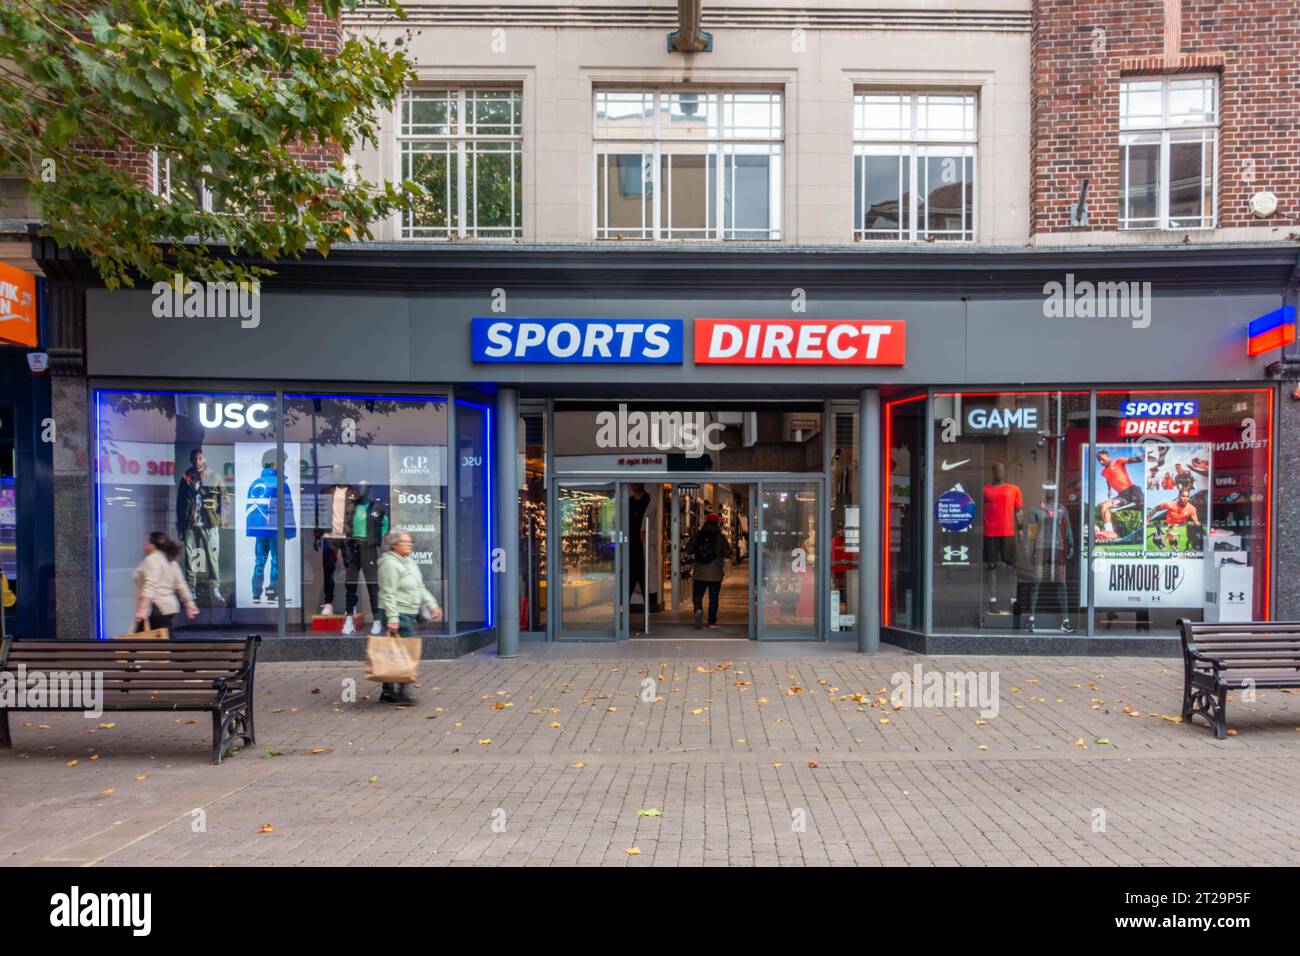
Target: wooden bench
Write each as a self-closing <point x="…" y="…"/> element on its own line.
<point x="1218" y="658"/>
<point x="175" y="675"/>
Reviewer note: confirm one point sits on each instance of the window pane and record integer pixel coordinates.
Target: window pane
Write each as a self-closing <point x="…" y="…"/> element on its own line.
<point x="948" y="195"/>
<point x="495" y="192"/>
<point x="202" y="470"/>
<point x="532" y="521"/>
<point x="473" y="517"/>
<point x="433" y="167"/>
<point x="624" y="183"/>
<point x="493" y="113"/>
<point x="1006" y="545"/>
<point x="1190" y="518"/>
<point x="1140" y="197"/>
<point x="883" y="116"/>
<point x="879" y="194"/>
<point x="690" y="115"/>
<point x="945" y="117"/>
<point x="751" y="115"/>
<point x="623" y="114"/>
<point x="746" y="199"/>
<point x="1187" y="184"/>
<point x="429" y="113"/>
<point x="905" y="528"/>
<point x="1191" y="101"/>
<point x="1139" y="104"/>
<point x="687" y="192"/>
<point x="370" y="466"/>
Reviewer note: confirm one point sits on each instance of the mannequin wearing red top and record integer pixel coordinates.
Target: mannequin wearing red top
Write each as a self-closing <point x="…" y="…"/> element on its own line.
<point x="1003" y="520"/>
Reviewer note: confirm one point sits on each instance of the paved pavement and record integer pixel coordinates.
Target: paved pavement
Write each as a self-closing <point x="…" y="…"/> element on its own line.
<point x="760" y="758"/>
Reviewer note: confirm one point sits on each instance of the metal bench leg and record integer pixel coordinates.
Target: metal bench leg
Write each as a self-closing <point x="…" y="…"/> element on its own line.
<point x="218" y="737"/>
<point x="5" y="742"/>
<point x="1221" y="715"/>
<point x="249" y="734"/>
<point x="1187" y="698"/>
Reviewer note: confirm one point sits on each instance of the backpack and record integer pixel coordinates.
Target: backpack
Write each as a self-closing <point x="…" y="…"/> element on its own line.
<point x="706" y="547"/>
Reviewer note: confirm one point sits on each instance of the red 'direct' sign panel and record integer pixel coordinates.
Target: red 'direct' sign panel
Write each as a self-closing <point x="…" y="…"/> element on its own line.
<point x="800" y="342"/>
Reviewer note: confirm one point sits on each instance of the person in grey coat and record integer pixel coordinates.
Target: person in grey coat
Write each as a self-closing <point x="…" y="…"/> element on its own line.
<point x="711" y="550"/>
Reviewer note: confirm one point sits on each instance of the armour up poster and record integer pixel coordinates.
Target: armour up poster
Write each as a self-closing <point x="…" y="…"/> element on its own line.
<point x="1150" y="508"/>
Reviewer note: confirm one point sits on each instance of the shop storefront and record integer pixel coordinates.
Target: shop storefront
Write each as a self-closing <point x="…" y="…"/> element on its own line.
<point x="935" y="460"/>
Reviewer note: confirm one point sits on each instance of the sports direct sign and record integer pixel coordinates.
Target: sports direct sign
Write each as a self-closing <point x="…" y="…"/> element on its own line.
<point x="1174" y="419"/>
<point x="799" y="342"/>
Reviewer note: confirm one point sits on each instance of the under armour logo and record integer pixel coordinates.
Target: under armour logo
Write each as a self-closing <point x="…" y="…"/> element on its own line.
<point x="1236" y="597"/>
<point x="958" y="554"/>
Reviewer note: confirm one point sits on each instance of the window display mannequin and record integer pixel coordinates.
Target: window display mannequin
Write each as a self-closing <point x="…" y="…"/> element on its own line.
<point x="265" y="495"/>
<point x="200" y="510"/>
<point x="1003" y="521"/>
<point x="1051" y="547"/>
<point x="369" y="525"/>
<point x="335" y="510"/>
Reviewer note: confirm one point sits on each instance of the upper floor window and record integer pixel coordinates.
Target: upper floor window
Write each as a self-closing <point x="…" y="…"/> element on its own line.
<point x="688" y="164"/>
<point x="1168" y="152"/>
<point x="465" y="147"/>
<point x="173" y="180"/>
<point x="914" y="166"/>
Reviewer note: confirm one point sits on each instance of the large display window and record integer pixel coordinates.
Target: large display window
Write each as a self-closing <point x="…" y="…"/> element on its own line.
<point x="1102" y="512"/>
<point x="368" y="466"/>
<point x="203" y="471"/>
<point x="1179" y="507"/>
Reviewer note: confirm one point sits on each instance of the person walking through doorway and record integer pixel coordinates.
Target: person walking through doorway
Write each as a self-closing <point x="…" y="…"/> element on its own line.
<point x="711" y="550"/>
<point x="637" y="505"/>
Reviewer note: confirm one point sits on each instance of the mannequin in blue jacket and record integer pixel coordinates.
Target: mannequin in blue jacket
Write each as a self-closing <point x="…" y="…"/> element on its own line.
<point x="259" y="524"/>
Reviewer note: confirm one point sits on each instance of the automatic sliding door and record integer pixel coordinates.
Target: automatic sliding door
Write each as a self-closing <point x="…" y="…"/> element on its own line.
<point x="588" y="535"/>
<point x="787" y="569"/>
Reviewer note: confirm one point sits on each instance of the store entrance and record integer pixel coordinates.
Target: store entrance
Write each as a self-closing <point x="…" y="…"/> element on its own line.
<point x="636" y="555"/>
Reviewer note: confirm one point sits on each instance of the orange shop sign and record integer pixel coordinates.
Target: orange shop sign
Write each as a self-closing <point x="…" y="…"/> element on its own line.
<point x="17" y="306"/>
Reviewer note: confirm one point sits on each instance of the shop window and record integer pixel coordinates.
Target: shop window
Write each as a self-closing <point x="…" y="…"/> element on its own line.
<point x="1180" y="508"/>
<point x="368" y="466"/>
<point x="1006" y="509"/>
<point x="8" y="521"/>
<point x="532" y="520"/>
<point x="1167" y="153"/>
<point x="465" y="147"/>
<point x="473" y="461"/>
<point x="904" y="490"/>
<point x="688" y="164"/>
<point x="914" y="166"/>
<point x="203" y="470"/>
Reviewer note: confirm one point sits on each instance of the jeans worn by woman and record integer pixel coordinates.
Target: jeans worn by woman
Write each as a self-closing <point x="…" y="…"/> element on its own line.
<point x="405" y="628"/>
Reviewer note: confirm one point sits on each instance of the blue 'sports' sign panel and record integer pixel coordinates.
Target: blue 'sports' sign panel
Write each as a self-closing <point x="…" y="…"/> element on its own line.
<point x="578" y="341"/>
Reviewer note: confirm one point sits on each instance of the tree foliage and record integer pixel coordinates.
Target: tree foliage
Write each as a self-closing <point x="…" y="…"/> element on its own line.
<point x="251" y="124"/>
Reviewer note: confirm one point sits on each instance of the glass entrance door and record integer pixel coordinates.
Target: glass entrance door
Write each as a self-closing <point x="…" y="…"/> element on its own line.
<point x="786" y="568"/>
<point x="587" y="606"/>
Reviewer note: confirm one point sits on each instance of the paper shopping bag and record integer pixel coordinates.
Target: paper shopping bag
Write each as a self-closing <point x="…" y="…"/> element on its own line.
<point x="152" y="634"/>
<point x="392" y="660"/>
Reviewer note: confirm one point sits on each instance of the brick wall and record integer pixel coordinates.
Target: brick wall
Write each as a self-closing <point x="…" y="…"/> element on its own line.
<point x="1079" y="52"/>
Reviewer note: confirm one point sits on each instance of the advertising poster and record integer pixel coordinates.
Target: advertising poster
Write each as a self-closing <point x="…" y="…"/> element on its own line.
<point x="262" y="488"/>
<point x="1150" y="510"/>
<point x="417" y="476"/>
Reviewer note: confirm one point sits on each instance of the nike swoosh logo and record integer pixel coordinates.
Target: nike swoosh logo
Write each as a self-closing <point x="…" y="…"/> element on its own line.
<point x="955" y="464"/>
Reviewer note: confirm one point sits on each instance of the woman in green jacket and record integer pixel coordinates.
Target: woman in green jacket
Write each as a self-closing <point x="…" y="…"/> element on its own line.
<point x="402" y="595"/>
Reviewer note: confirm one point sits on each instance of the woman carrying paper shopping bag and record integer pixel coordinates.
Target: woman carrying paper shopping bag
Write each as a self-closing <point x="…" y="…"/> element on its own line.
<point x="393" y="658"/>
<point x="160" y="587"/>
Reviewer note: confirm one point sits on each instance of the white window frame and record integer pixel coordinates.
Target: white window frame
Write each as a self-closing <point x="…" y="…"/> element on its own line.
<point x="1166" y="130"/>
<point x="463" y="141"/>
<point x="655" y="143"/>
<point x="913" y="145"/>
<point x="162" y="182"/>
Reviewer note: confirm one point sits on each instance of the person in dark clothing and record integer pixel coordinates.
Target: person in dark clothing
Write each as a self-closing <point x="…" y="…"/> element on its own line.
<point x="710" y="549"/>
<point x="637" y="506"/>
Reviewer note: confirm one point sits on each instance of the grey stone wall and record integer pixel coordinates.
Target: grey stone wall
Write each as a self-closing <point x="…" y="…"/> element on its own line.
<point x="74" y="568"/>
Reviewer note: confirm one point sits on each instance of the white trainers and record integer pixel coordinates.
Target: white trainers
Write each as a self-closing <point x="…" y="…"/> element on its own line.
<point x="376" y="628"/>
<point x="349" y="627"/>
<point x="327" y="609"/>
